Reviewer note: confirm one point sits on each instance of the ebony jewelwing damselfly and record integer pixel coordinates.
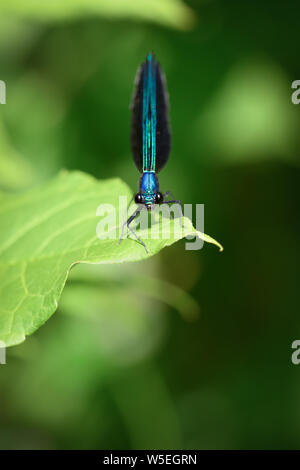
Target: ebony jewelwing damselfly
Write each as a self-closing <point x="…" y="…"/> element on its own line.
<point x="150" y="137"/>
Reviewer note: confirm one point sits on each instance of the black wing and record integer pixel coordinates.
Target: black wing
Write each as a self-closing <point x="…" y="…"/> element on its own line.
<point x="157" y="114"/>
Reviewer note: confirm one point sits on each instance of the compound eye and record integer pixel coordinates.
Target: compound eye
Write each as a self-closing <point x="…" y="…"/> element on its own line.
<point x="159" y="198"/>
<point x="138" y="198"/>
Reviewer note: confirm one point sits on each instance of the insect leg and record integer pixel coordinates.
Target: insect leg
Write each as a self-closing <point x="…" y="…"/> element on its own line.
<point x="128" y="222"/>
<point x="138" y="238"/>
<point x="168" y="193"/>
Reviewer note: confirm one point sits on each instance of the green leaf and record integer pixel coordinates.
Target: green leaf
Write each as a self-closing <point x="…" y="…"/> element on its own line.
<point x="172" y="13"/>
<point x="45" y="232"/>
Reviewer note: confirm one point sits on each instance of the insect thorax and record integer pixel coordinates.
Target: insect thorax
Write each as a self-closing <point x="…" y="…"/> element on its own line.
<point x="149" y="186"/>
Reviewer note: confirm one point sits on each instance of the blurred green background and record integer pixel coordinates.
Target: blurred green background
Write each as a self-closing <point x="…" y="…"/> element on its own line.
<point x="125" y="362"/>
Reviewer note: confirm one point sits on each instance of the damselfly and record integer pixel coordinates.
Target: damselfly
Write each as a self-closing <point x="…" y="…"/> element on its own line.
<point x="150" y="137"/>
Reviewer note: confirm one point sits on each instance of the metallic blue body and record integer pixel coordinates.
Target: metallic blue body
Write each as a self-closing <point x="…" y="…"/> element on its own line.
<point x="149" y="187"/>
<point x="149" y="115"/>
